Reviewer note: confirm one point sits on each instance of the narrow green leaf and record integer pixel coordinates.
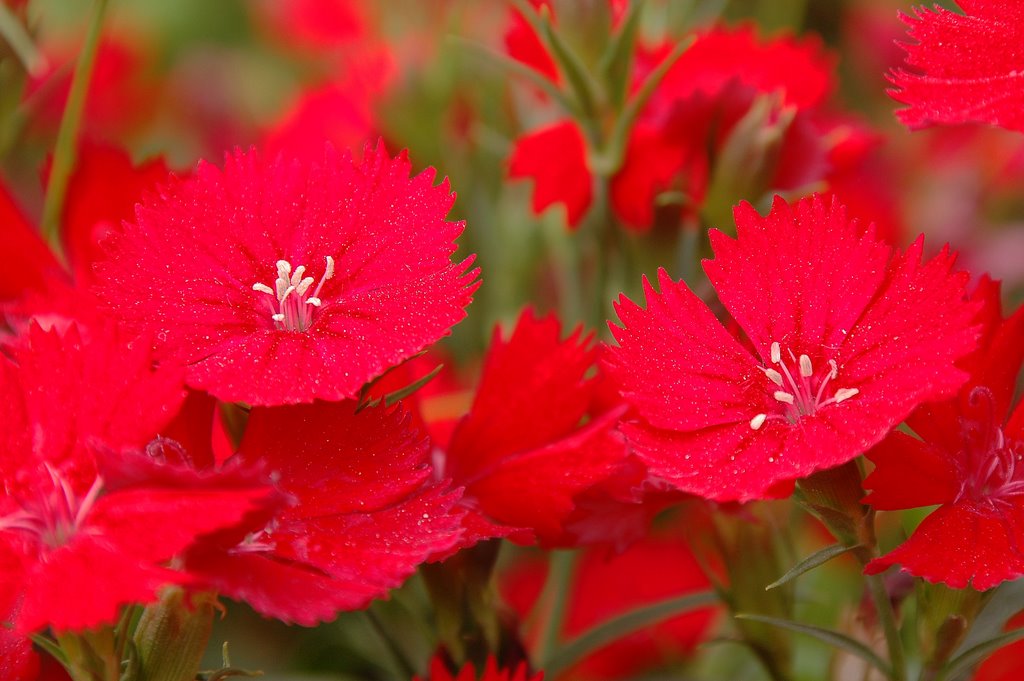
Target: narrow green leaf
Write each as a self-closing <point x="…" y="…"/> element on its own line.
<point x="828" y="636"/>
<point x="972" y="656"/>
<point x="516" y="68"/>
<point x="617" y="61"/>
<point x="571" y="65"/>
<point x="814" y="560"/>
<point x="620" y="626"/>
<point x="611" y="158"/>
<point x="400" y="394"/>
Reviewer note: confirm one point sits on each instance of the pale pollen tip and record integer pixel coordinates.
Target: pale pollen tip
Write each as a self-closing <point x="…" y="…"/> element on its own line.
<point x="806" y="370"/>
<point x="776" y="353"/>
<point x="774" y="376"/>
<point x="303" y="286"/>
<point x="297" y="275"/>
<point x="783" y="397"/>
<point x="330" y="267"/>
<point x="758" y="421"/>
<point x="845" y="394"/>
<point x="835" y="368"/>
<point x="263" y="288"/>
<point x="284" y="266"/>
<point x="278" y="317"/>
<point x="315" y="302"/>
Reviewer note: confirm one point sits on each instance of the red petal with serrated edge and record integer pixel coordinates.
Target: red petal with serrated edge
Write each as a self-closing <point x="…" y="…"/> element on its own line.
<point x="963" y="544"/>
<point x="335" y="460"/>
<point x="677" y="348"/>
<point x="198" y="248"/>
<point x="899" y="458"/>
<point x="54" y="592"/>
<point x="77" y="390"/>
<point x="555" y="158"/>
<point x="516" y="409"/>
<point x="779" y="279"/>
<point x="963" y="68"/>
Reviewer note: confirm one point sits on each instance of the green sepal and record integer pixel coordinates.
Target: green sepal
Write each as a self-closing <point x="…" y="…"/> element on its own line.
<point x="814" y="560"/>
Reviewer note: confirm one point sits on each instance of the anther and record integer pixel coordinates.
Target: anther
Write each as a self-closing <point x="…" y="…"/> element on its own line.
<point x="776" y="353"/>
<point x="845" y="394"/>
<point x="783" y="397"/>
<point x="758" y="421"/>
<point x="774" y="376"/>
<point x="806" y="370"/>
<point x="263" y="288"/>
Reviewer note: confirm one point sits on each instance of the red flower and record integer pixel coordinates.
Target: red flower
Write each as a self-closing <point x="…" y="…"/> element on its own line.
<point x="675" y="142"/>
<point x="74" y="542"/>
<point x="36" y="263"/>
<point x="968" y="462"/>
<point x="520" y="453"/>
<point x="847" y="336"/>
<point x="491" y="672"/>
<point x="279" y="282"/>
<point x="366" y="513"/>
<point x="965" y="68"/>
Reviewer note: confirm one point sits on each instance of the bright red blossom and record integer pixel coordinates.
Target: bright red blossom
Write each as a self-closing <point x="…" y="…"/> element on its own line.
<point x="521" y="452"/>
<point x="365" y="513"/>
<point x="491" y="672"/>
<point x="968" y="461"/>
<point x="964" y="68"/>
<point x="280" y="282"/>
<point x="847" y="336"/>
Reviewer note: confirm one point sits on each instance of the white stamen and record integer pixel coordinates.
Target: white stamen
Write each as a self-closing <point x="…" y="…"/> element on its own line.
<point x="281" y="285"/>
<point x="835" y="368"/>
<point x="806" y="370"/>
<point x="845" y="394"/>
<point x="758" y="421"/>
<point x="315" y="302"/>
<point x="287" y="291"/>
<point x="774" y="376"/>
<point x="783" y="397"/>
<point x="277" y="317"/>
<point x="284" y="268"/>
<point x="263" y="288"/>
<point x="329" y="272"/>
<point x="297" y="275"/>
<point x="776" y="353"/>
<point x="292" y="311"/>
<point x="304" y="285"/>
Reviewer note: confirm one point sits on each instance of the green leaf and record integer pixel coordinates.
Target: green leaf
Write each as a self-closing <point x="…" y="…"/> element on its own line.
<point x="972" y="656"/>
<point x="828" y="636"/>
<point x="392" y="398"/>
<point x="617" y="61"/>
<point x="571" y="65"/>
<point x="814" y="560"/>
<point x="620" y="626"/>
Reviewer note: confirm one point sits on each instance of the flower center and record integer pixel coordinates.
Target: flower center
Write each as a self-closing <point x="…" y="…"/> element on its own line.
<point x="991" y="472"/>
<point x="800" y="390"/>
<point x="53" y="517"/>
<point x="291" y="304"/>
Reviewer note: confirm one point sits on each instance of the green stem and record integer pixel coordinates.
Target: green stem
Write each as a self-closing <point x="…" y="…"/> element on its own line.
<point x="15" y="35"/>
<point x="556" y="599"/>
<point x="623" y="625"/>
<point x="67" y="136"/>
<point x="397" y="654"/>
<point x="887" y="617"/>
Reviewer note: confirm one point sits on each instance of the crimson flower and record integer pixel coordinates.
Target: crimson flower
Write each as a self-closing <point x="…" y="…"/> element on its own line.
<point x="678" y="135"/>
<point x="846" y="336"/>
<point x="365" y="513"/>
<point x="75" y="544"/>
<point x="491" y="672"/>
<point x="963" y="68"/>
<point x="967" y="461"/>
<point x="521" y="452"/>
<point x="279" y="282"/>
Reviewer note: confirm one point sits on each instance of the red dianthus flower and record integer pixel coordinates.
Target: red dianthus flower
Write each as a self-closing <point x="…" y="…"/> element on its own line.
<point x="847" y="337"/>
<point x="280" y="282"/>
<point x="968" y="461"/>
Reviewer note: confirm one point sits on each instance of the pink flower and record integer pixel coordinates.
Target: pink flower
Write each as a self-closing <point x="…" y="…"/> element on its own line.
<point x="280" y="282"/>
<point x="964" y="68"/>
<point x="845" y="336"/>
<point x="967" y="460"/>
